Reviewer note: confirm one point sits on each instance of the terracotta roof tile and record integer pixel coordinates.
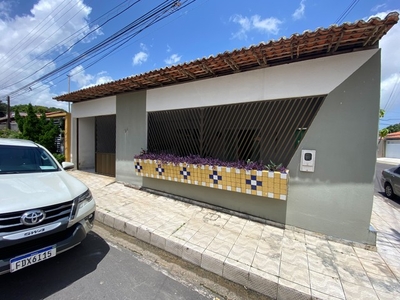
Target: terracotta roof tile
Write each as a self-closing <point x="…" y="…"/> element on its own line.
<point x="348" y="37"/>
<point x="393" y="135"/>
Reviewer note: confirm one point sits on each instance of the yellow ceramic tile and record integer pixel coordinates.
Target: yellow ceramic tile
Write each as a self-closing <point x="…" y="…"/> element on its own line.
<point x="242" y="183"/>
<point x="264" y="189"/>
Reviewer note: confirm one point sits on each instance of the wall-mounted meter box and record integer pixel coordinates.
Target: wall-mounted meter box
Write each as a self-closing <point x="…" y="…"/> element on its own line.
<point x="307" y="161"/>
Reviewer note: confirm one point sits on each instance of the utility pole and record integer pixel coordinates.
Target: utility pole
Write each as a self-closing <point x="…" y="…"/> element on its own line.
<point x="8" y="113"/>
<point x="69" y="87"/>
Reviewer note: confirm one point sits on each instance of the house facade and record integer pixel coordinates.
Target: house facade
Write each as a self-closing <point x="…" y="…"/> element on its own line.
<point x="391" y="145"/>
<point x="296" y="101"/>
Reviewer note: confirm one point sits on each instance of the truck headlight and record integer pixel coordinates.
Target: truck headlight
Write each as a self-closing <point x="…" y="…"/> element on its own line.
<point x="80" y="202"/>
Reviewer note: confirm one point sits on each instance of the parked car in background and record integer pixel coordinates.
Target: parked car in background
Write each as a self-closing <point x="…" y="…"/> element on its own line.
<point x="43" y="210"/>
<point x="391" y="182"/>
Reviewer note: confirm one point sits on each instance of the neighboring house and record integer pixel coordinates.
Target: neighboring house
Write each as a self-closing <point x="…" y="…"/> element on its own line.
<point x="312" y="91"/>
<point x="392" y="145"/>
<point x="13" y="123"/>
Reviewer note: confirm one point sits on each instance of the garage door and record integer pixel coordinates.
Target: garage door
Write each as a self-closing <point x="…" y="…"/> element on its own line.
<point x="393" y="148"/>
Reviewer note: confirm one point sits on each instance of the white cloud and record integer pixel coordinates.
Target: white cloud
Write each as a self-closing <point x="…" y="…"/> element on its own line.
<point x="390" y="63"/>
<point x="83" y="80"/>
<point x="143" y="47"/>
<point x="34" y="37"/>
<point x="299" y="12"/>
<point x="5" y="9"/>
<point x="379" y="7"/>
<point x="173" y="59"/>
<point x="389" y="89"/>
<point x="78" y="76"/>
<point x="139" y="58"/>
<point x="268" y="25"/>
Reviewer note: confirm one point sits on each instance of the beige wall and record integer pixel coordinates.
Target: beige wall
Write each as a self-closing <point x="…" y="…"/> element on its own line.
<point x="311" y="77"/>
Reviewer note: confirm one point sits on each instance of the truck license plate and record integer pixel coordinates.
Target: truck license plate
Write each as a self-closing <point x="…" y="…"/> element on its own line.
<point x="28" y="259"/>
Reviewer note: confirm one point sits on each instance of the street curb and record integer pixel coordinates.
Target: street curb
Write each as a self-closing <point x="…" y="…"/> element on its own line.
<point x="249" y="277"/>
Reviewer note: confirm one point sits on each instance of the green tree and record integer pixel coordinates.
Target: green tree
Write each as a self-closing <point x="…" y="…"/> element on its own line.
<point x="36" y="108"/>
<point x="394" y="128"/>
<point x="381" y="113"/>
<point x="9" y="134"/>
<point x="383" y="132"/>
<point x="3" y="109"/>
<point x="39" y="130"/>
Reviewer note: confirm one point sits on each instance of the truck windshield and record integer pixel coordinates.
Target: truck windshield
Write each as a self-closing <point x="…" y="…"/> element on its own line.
<point x="17" y="159"/>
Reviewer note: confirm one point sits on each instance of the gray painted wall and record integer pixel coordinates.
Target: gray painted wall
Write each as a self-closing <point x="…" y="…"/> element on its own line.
<point x="266" y="208"/>
<point x="86" y="142"/>
<point x="337" y="198"/>
<point x="131" y="135"/>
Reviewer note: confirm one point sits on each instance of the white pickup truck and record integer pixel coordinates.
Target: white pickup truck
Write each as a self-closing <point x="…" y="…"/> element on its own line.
<point x="43" y="210"/>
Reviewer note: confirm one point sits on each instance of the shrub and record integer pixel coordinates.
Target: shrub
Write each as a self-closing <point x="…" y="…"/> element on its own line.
<point x="60" y="157"/>
<point x="198" y="160"/>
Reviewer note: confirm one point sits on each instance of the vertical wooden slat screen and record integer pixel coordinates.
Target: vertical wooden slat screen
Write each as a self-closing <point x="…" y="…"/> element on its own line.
<point x="105" y="145"/>
<point x="264" y="130"/>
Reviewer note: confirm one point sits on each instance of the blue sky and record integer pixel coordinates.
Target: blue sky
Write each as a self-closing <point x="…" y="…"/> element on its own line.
<point x="39" y="36"/>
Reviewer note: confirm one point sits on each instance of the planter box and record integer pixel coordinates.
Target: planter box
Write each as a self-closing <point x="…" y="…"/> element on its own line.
<point x="259" y="183"/>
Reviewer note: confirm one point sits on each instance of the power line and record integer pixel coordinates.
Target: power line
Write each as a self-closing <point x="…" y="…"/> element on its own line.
<point x="35" y="61"/>
<point x="74" y="44"/>
<point x="391" y="97"/>
<point x="34" y="91"/>
<point x="346" y="12"/>
<point x="26" y="39"/>
<point x="125" y="34"/>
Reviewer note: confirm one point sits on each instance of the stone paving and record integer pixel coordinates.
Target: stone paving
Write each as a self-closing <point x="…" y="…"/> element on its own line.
<point x="280" y="263"/>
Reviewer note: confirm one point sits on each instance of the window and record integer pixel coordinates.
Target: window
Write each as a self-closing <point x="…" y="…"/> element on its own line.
<point x="264" y="130"/>
<point x="22" y="159"/>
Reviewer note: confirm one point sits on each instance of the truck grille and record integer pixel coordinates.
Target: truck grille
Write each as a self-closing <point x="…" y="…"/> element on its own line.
<point x="11" y="222"/>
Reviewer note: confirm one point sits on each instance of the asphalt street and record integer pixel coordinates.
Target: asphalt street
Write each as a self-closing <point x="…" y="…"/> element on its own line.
<point x="96" y="269"/>
<point x="112" y="265"/>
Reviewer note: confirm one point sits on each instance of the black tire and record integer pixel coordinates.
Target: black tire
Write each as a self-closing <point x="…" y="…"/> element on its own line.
<point x="389" y="191"/>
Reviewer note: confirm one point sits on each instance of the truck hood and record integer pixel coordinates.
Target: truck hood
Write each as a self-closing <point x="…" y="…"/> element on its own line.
<point x="33" y="190"/>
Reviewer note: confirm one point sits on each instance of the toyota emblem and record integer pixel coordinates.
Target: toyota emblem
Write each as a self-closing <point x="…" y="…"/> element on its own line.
<point x="33" y="217"/>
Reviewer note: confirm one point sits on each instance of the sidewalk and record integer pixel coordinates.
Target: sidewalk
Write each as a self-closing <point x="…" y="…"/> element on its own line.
<point x="280" y="263"/>
<point x="387" y="160"/>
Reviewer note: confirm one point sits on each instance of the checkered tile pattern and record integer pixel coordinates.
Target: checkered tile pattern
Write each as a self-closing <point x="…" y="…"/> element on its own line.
<point x="160" y="170"/>
<point x="185" y="173"/>
<point x="253" y="182"/>
<point x="215" y="177"/>
<point x="138" y="167"/>
<point x="258" y="183"/>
